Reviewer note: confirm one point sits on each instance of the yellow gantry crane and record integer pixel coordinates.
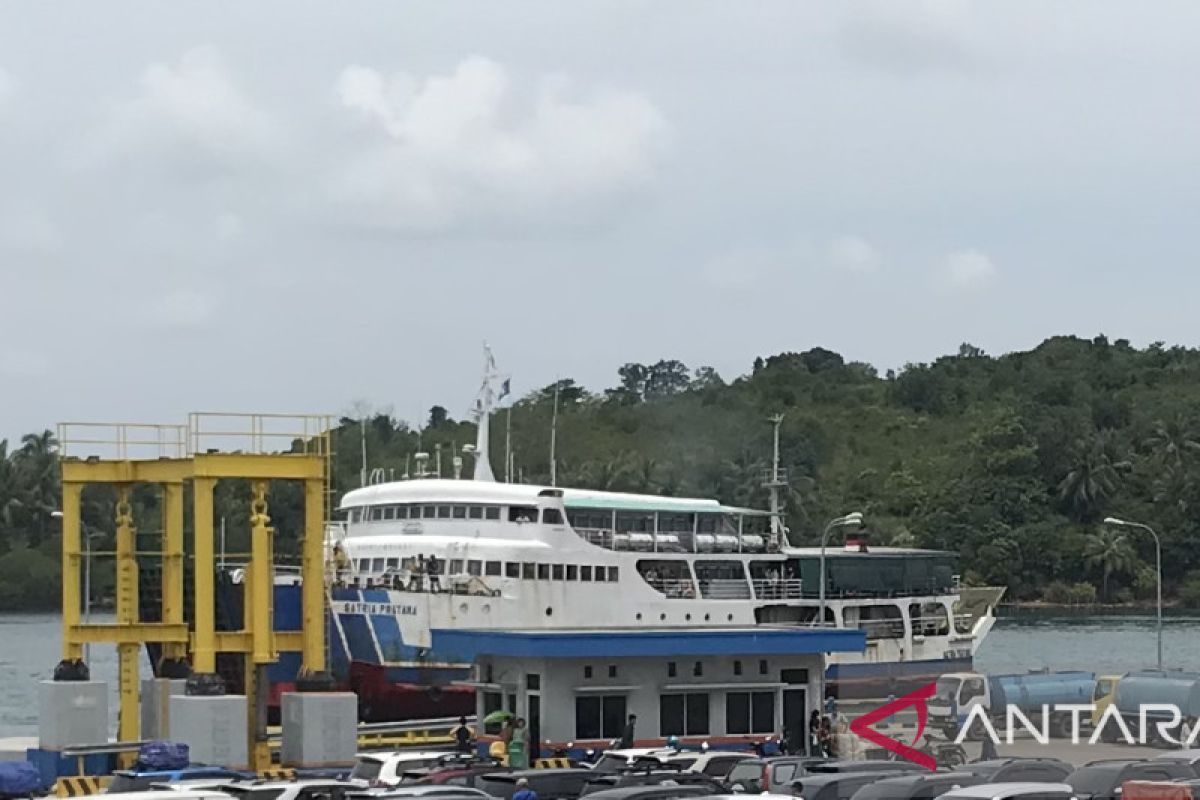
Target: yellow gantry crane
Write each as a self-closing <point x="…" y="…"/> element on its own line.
<point x="258" y="448"/>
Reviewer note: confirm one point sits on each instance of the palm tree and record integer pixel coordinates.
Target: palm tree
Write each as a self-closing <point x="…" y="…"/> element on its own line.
<point x="1175" y="441"/>
<point x="1092" y="480"/>
<point x="1110" y="552"/>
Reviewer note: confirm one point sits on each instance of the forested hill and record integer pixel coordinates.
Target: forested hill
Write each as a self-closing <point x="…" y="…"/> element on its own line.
<point x="1012" y="461"/>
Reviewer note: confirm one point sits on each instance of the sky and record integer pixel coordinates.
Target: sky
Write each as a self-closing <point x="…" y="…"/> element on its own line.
<point x="317" y="207"/>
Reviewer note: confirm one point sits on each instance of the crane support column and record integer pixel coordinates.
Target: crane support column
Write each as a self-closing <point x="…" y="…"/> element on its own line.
<point x="174" y="653"/>
<point x="71" y="569"/>
<point x="204" y="651"/>
<point x="127" y="615"/>
<point x="312" y="573"/>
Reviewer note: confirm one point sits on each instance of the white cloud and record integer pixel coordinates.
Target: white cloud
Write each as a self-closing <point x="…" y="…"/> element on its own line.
<point x="23" y="363"/>
<point x="195" y="105"/>
<point x="228" y="226"/>
<point x="967" y="270"/>
<point x="182" y="309"/>
<point x="474" y="145"/>
<point x="8" y="87"/>
<point x="28" y="233"/>
<point x="853" y="254"/>
<point x="910" y="37"/>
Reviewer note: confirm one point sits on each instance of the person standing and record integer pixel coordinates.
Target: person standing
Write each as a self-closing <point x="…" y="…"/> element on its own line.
<point x="462" y="736"/>
<point x="415" y="581"/>
<point x="628" y="737"/>
<point x="523" y="791"/>
<point x="433" y="570"/>
<point x="814" y="733"/>
<point x="518" y="746"/>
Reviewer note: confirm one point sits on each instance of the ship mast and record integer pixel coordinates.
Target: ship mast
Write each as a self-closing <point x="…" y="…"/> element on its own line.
<point x="775" y="481"/>
<point x="483" y="413"/>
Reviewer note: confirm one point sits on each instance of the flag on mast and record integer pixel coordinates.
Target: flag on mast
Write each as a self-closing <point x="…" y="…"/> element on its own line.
<point x="504" y="388"/>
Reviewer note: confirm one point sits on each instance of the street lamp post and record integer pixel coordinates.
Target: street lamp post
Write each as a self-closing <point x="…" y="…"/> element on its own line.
<point x="851" y="520"/>
<point x="1120" y="523"/>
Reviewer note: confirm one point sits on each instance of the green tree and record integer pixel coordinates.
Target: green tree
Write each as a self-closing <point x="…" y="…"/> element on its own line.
<point x="1110" y="552"/>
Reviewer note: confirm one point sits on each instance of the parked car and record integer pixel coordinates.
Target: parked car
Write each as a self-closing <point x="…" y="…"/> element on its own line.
<point x="1020" y="770"/>
<point x="1189" y="756"/>
<point x="321" y="789"/>
<point x="451" y="775"/>
<point x="1012" y="791"/>
<point x="771" y="775"/>
<point x="614" y="760"/>
<point x="385" y="769"/>
<point x="620" y="780"/>
<point x="915" y="786"/>
<point x="834" y="785"/>
<point x="127" y="780"/>
<point x="429" y="793"/>
<point x="714" y="763"/>
<point x="828" y="767"/>
<point x="1101" y="780"/>
<point x="550" y="784"/>
<point x="651" y="793"/>
<point x="191" y="794"/>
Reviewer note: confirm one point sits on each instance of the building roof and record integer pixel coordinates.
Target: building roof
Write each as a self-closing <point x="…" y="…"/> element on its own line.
<point x="468" y="644"/>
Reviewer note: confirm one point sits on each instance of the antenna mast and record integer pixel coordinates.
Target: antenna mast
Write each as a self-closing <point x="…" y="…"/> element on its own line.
<point x="554" y="439"/>
<point x="776" y="479"/>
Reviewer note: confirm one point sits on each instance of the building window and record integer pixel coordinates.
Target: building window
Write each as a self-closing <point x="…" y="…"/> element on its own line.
<point x="762" y="667"/>
<point x="671" y="669"/>
<point x="491" y="702"/>
<point x="737" y="668"/>
<point x="552" y="516"/>
<point x="612" y="670"/>
<point x="491" y="568"/>
<point x="683" y="714"/>
<point x="543" y="572"/>
<point x="585" y="573"/>
<point x="599" y="717"/>
<point x="572" y="572"/>
<point x="475" y="512"/>
<point x="698" y="669"/>
<point x="512" y="570"/>
<point x="749" y="712"/>
<point x="491" y="512"/>
<point x="533" y="682"/>
<point x="557" y="571"/>
<point x="527" y="571"/>
<point x="587" y="671"/>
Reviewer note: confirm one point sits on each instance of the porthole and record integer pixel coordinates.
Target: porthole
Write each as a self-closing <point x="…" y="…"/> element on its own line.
<point x="549" y="611"/>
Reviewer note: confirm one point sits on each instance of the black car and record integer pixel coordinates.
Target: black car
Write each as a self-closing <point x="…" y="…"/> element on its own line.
<point x="1020" y="770"/>
<point x="550" y="784"/>
<point x="621" y="780"/>
<point x="1101" y="780"/>
<point x="917" y="786"/>
<point x="834" y="785"/>
<point x="756" y="775"/>
<point x="829" y="767"/>
<point x="651" y="793"/>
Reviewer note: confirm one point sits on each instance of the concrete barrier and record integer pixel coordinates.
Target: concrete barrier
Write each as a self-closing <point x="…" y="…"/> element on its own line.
<point x="81" y="785"/>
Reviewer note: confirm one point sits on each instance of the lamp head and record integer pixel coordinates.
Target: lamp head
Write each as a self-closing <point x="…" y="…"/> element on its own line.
<point x="1114" y="521"/>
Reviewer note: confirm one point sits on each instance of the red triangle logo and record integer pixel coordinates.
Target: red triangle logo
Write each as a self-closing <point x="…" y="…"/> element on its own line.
<point x="862" y="726"/>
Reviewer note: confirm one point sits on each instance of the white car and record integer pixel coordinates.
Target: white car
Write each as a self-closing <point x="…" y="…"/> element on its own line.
<point x="183" y="794"/>
<point x="1011" y="791"/>
<point x="714" y="763"/>
<point x="614" y="760"/>
<point x="386" y="769"/>
<point x="311" y="789"/>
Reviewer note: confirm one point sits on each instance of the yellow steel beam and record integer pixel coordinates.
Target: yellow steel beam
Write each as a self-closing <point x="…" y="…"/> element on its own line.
<point x="258" y="620"/>
<point x="71" y="594"/>
<point x="243" y="641"/>
<point x="163" y="470"/>
<point x="283" y="467"/>
<point x="204" y="654"/>
<point x="172" y="561"/>
<point x="312" y="576"/>
<point x="118" y="633"/>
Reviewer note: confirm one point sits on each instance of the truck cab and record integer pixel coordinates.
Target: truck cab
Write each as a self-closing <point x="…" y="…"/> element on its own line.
<point x="956" y="694"/>
<point x="1103" y="696"/>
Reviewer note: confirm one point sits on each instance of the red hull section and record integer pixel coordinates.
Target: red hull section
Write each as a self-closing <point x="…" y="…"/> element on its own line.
<point x="380" y="700"/>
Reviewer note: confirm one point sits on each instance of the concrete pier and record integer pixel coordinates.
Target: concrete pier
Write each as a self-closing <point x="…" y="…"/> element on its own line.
<point x="72" y="713"/>
<point x="156" y="706"/>
<point x="320" y="729"/>
<point x="213" y="728"/>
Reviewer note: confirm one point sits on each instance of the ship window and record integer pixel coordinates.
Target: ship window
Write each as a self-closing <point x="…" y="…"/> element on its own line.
<point x="543" y="572"/>
<point x="512" y="569"/>
<point x="376" y="513"/>
<point x="355" y="515"/>
<point x="475" y="512"/>
<point x="929" y="619"/>
<point x="683" y="714"/>
<point x="389" y="512"/>
<point x="552" y="516"/>
<point x="527" y="571"/>
<point x="364" y="564"/>
<point x="572" y="572"/>
<point x="522" y="513"/>
<point x="557" y="571"/>
<point x="393" y="563"/>
<point x="460" y="512"/>
<point x="749" y="712"/>
<point x="612" y="574"/>
<point x="456" y="566"/>
<point x="377" y="565"/>
<point x="492" y="512"/>
<point x="443" y="512"/>
<point x="491" y="568"/>
<point x="428" y="512"/>
<point x="585" y="573"/>
<point x="474" y="567"/>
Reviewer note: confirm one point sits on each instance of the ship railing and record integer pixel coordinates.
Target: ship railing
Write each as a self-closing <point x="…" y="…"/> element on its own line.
<point x="725" y="589"/>
<point x="777" y="588"/>
<point x="882" y="628"/>
<point x="673" y="587"/>
<point x="936" y="625"/>
<point x="674" y="541"/>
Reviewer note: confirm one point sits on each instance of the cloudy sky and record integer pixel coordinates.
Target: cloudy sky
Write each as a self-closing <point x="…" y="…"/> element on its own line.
<point x="297" y="205"/>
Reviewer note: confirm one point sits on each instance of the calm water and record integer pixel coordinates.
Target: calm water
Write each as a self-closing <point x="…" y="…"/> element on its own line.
<point x="30" y="646"/>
